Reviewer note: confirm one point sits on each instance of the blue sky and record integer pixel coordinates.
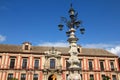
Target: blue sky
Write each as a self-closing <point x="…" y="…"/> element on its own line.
<point x="36" y="21"/>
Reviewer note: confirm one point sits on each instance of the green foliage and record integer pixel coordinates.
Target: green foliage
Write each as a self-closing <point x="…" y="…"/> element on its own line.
<point x="14" y="79"/>
<point x="91" y="79"/>
<point x="106" y="78"/>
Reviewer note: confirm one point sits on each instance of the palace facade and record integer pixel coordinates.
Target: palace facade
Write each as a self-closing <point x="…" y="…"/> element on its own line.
<point x="27" y="62"/>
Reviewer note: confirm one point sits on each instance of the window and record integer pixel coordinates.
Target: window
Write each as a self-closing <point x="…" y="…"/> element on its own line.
<point x="23" y="76"/>
<point x="35" y="77"/>
<point x="91" y="77"/>
<point x="10" y="76"/>
<point x="80" y="64"/>
<point x="114" y="77"/>
<point x="12" y="63"/>
<point x="24" y="64"/>
<point x="112" y="65"/>
<point x="26" y="47"/>
<point x="0" y="61"/>
<point x="102" y="65"/>
<point x="90" y="65"/>
<point x="36" y="64"/>
<point x="67" y="64"/>
<point x="52" y="63"/>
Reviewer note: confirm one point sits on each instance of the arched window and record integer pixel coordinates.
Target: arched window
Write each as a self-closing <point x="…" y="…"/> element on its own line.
<point x="52" y="77"/>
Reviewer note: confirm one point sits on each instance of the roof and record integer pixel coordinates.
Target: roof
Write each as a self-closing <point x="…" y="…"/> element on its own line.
<point x="64" y="50"/>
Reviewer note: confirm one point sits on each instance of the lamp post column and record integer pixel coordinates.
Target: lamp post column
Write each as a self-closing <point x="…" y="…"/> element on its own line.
<point x="73" y="60"/>
<point x="73" y="24"/>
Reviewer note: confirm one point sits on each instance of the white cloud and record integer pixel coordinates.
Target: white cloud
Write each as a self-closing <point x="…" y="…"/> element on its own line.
<point x="99" y="45"/>
<point x="113" y="48"/>
<point x="2" y="38"/>
<point x="54" y="44"/>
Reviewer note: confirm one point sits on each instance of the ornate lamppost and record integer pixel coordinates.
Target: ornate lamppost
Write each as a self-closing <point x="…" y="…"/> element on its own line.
<point x="73" y="24"/>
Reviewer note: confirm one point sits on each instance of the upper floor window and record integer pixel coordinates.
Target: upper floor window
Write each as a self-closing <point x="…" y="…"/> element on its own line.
<point x="26" y="47"/>
<point x="114" y="77"/>
<point x="36" y="64"/>
<point x="112" y="65"/>
<point x="91" y="77"/>
<point x="35" y="77"/>
<point x="52" y="63"/>
<point x="0" y="59"/>
<point x="102" y="65"/>
<point x="80" y="64"/>
<point x="12" y="63"/>
<point x="23" y="76"/>
<point x="90" y="65"/>
<point x="67" y="64"/>
<point x="24" y="63"/>
<point x="10" y="76"/>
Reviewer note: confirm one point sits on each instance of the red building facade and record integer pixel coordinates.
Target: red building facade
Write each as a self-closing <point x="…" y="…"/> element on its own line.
<point x="27" y="62"/>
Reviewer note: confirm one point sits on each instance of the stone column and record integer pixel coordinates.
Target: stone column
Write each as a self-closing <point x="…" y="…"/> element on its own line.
<point x="4" y="76"/>
<point x="18" y="61"/>
<point x="30" y="62"/>
<point x="3" y="60"/>
<point x="0" y="75"/>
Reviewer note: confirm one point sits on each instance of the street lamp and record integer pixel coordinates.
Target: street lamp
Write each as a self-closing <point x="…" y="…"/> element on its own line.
<point x="82" y="30"/>
<point x="73" y="25"/>
<point x="73" y="22"/>
<point x="71" y="12"/>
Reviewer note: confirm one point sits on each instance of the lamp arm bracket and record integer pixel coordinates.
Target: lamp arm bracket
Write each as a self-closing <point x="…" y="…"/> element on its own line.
<point x="63" y="19"/>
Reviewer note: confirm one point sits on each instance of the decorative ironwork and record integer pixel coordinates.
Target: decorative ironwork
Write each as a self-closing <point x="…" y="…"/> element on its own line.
<point x="72" y="23"/>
